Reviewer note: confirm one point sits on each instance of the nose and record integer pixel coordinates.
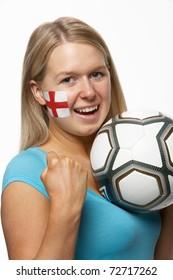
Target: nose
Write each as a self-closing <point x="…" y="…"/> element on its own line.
<point x="87" y="89"/>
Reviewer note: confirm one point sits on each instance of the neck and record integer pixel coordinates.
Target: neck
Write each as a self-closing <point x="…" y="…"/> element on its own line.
<point x="61" y="141"/>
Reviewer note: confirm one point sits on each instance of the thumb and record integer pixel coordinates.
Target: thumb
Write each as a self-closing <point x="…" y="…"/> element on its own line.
<point x="51" y="159"/>
<point x="43" y="174"/>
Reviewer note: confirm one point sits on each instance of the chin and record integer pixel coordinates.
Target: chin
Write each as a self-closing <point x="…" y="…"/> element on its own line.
<point x="89" y="132"/>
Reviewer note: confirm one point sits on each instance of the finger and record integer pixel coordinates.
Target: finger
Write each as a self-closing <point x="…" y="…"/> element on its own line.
<point x="52" y="159"/>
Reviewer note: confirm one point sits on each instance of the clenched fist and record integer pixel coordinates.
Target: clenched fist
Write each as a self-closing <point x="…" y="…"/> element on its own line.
<point x="65" y="181"/>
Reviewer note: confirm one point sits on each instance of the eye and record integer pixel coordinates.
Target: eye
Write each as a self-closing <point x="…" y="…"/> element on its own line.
<point x="68" y="80"/>
<point x="97" y="75"/>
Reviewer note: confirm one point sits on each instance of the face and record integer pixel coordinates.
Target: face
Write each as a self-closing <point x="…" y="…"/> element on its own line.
<point x="80" y="71"/>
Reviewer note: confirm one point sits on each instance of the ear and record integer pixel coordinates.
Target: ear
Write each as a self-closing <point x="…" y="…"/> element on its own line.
<point x="37" y="93"/>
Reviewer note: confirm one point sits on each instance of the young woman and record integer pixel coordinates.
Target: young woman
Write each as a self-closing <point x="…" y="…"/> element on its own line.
<point x="51" y="206"/>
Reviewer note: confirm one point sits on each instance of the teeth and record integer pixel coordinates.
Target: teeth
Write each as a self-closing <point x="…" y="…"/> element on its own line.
<point x="88" y="109"/>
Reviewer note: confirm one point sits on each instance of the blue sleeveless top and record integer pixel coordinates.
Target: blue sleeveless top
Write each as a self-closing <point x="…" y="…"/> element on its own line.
<point x="106" y="231"/>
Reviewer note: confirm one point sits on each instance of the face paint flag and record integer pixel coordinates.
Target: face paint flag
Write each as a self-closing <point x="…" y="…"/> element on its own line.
<point x="57" y="103"/>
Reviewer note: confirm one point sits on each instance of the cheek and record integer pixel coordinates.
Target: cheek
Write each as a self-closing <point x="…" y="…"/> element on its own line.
<point x="106" y="88"/>
<point x="106" y="99"/>
<point x="107" y="103"/>
<point x="57" y="103"/>
<point x="106" y="94"/>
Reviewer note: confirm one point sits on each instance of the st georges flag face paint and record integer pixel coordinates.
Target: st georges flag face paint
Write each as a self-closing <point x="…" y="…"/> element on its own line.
<point x="57" y="103"/>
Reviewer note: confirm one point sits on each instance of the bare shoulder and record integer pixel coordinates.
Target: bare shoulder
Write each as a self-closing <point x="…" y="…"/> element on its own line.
<point x="24" y="212"/>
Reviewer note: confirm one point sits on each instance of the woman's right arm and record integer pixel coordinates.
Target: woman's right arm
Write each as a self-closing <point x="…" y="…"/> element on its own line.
<point x="38" y="228"/>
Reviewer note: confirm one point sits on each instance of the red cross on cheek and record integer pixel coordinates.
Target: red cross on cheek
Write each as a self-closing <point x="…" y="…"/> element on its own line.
<point x="57" y="103"/>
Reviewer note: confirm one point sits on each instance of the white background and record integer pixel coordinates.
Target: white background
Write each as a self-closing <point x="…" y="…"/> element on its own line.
<point x="139" y="34"/>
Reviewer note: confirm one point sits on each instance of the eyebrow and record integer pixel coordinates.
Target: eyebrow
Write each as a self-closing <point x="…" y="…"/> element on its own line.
<point x="73" y="72"/>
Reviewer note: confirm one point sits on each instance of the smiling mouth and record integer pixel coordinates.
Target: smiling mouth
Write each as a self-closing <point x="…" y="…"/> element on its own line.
<point x="87" y="110"/>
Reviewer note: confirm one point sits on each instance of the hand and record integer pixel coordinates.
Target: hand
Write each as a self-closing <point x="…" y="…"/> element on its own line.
<point x="65" y="181"/>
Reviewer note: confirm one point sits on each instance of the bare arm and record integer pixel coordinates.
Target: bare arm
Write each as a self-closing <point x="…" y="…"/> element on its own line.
<point x="37" y="228"/>
<point x="164" y="248"/>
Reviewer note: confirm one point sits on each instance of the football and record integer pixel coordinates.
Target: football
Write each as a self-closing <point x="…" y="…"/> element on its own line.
<point x="132" y="159"/>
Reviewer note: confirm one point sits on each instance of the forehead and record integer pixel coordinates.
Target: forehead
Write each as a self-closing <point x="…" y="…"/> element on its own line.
<point x="69" y="56"/>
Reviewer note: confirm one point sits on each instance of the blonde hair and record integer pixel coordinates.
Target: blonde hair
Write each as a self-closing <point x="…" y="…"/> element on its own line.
<point x="34" y="118"/>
